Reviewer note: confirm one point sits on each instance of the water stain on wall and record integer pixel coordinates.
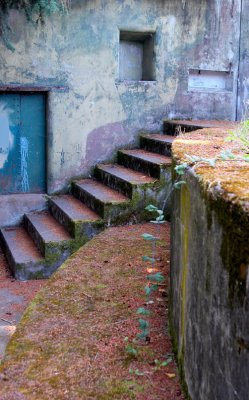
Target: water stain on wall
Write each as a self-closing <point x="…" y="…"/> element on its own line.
<point x="24" y="148"/>
<point x="6" y="137"/>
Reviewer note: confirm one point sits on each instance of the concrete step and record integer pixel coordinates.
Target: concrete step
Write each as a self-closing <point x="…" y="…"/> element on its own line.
<point x="124" y="180"/>
<point x="174" y="127"/>
<point x="141" y="188"/>
<point x="50" y="237"/>
<point x="144" y="161"/>
<point x="157" y="143"/>
<point x="107" y="202"/>
<point x="25" y="260"/>
<point x="80" y="221"/>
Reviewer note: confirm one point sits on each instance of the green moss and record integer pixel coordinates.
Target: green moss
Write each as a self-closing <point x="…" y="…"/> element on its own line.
<point x="100" y="286"/>
<point x="116" y="389"/>
<point x="184" y="217"/>
<point x="227" y="205"/>
<point x="234" y="247"/>
<point x="178" y="356"/>
<point x="179" y="346"/>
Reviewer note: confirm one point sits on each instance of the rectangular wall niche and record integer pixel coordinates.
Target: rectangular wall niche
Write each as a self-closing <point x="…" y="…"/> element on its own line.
<point x="136" y="51"/>
<point x="210" y="81"/>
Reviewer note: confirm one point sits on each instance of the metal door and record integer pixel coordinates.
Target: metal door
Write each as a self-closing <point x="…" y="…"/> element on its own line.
<point x="22" y="143"/>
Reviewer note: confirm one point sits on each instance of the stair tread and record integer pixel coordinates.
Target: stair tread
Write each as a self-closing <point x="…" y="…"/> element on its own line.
<point x="204" y="123"/>
<point x="160" y="138"/>
<point x="126" y="174"/>
<point x="49" y="229"/>
<point x="21" y="246"/>
<point x="101" y="191"/>
<point x="75" y="209"/>
<point x="148" y="156"/>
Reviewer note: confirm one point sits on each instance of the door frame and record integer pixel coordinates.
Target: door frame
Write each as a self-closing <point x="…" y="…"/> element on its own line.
<point x="46" y="91"/>
<point x="19" y="91"/>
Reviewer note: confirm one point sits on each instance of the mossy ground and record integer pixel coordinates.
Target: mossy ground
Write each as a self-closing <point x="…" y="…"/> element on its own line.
<point x="70" y="342"/>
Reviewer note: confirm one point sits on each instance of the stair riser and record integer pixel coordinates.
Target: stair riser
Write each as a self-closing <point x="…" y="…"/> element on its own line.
<point x="52" y="250"/>
<point x="129" y="189"/>
<point x="61" y="217"/>
<point x="80" y="231"/>
<point x="90" y="201"/>
<point x="43" y="270"/>
<point x="139" y="165"/>
<point x="22" y="272"/>
<point x="142" y="195"/>
<point x="8" y="254"/>
<point x="155" y="146"/>
<point x="111" y="213"/>
<point x="171" y="128"/>
<point x="86" y="231"/>
<point x="159" y="195"/>
<point x="117" y="214"/>
<point x="28" y="271"/>
<point x="114" y="182"/>
<point x="34" y="235"/>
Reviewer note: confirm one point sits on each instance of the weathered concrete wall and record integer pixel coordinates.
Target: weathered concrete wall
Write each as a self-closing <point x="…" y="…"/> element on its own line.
<point x="210" y="293"/>
<point x="243" y="89"/>
<point x="97" y="113"/>
<point x="216" y="48"/>
<point x="12" y="207"/>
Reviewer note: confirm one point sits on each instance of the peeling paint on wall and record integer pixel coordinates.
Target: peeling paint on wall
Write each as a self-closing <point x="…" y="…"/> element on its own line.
<point x="24" y="149"/>
<point x="6" y="137"/>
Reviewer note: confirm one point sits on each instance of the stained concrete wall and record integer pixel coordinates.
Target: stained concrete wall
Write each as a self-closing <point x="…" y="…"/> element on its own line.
<point x="210" y="293"/>
<point x="243" y="89"/>
<point x="95" y="113"/>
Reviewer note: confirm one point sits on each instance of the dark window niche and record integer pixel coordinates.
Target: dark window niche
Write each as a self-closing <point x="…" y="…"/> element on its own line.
<point x="136" y="56"/>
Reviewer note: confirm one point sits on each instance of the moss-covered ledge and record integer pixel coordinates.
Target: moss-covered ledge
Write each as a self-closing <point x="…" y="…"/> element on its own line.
<point x="209" y="300"/>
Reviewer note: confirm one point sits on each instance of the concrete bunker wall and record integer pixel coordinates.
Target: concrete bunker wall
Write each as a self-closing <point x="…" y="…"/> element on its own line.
<point x="210" y="293"/>
<point x="90" y="110"/>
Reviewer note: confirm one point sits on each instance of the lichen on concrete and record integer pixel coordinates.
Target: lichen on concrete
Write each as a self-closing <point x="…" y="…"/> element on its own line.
<point x="215" y="307"/>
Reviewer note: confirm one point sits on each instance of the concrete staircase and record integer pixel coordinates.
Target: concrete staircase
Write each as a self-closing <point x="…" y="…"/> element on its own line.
<point x="118" y="193"/>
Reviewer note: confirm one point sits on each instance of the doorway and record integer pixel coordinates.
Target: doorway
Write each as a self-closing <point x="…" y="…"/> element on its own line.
<point x="22" y="143"/>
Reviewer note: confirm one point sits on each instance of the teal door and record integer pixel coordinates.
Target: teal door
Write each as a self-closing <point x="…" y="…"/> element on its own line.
<point x="22" y="143"/>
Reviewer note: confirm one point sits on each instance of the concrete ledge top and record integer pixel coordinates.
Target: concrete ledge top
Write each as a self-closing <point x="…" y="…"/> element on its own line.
<point x="230" y="177"/>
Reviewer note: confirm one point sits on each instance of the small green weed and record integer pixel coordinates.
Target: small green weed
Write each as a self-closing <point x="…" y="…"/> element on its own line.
<point x="162" y="364"/>
<point x="131" y="348"/>
<point x="154" y="278"/>
<point x="240" y="136"/>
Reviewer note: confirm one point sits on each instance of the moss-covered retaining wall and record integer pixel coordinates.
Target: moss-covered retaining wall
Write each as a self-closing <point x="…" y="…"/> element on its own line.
<point x="209" y="272"/>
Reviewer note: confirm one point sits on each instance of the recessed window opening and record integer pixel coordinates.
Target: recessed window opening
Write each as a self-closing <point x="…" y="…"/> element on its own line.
<point x="136" y="56"/>
<point x="210" y="81"/>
